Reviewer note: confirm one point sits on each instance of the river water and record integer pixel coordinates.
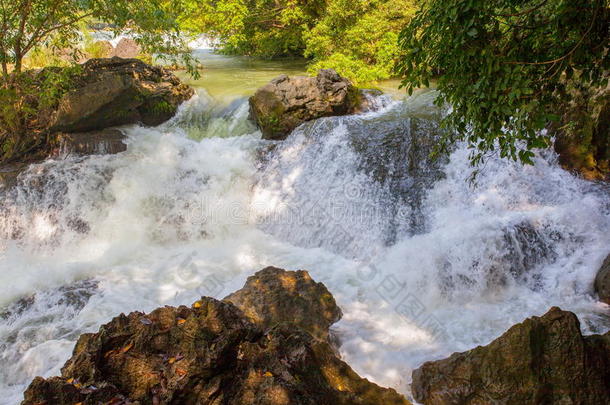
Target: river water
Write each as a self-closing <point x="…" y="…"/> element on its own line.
<point x="421" y="262"/>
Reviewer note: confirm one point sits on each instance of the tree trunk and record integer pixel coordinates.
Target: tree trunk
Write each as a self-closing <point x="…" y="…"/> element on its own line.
<point x="4" y="71"/>
<point x="4" y="66"/>
<point x="17" y="68"/>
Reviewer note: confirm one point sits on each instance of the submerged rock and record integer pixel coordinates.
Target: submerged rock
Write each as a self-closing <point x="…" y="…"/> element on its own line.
<point x="602" y="281"/>
<point x="286" y="102"/>
<point x="106" y="141"/>
<point x="543" y="360"/>
<point x="212" y="353"/>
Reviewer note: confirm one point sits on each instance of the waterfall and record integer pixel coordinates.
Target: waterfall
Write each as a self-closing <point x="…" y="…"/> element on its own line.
<point x="421" y="262"/>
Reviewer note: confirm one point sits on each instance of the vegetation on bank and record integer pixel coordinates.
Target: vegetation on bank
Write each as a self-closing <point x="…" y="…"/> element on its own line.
<point x="517" y="74"/>
<point x="50" y="33"/>
<point x="357" y="38"/>
<point x="512" y="69"/>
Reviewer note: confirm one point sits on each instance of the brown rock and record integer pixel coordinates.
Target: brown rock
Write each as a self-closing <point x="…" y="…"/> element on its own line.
<point x="208" y="354"/>
<point x="286" y="102"/>
<point x="106" y="141"/>
<point x="274" y="296"/>
<point x="602" y="281"/>
<point x="119" y="91"/>
<point x="106" y="93"/>
<point x="126" y="48"/>
<point x="543" y="360"/>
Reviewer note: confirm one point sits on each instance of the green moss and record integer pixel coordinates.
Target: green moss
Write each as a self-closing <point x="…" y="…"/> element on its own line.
<point x="161" y="107"/>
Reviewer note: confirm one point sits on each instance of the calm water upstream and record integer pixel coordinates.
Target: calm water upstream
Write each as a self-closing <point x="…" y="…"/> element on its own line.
<point x="421" y="263"/>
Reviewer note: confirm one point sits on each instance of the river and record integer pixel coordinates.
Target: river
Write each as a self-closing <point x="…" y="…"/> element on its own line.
<point x="421" y="262"/>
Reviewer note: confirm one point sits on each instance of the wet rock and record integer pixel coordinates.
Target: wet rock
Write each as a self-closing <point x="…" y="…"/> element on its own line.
<point x="57" y="390"/>
<point x="527" y="246"/>
<point x="73" y="296"/>
<point x="286" y="102"/>
<point x="8" y="175"/>
<point x="543" y="360"/>
<point x="602" y="281"/>
<point x="274" y="296"/>
<point x="210" y="353"/>
<point x="106" y="141"/>
<point x="115" y="91"/>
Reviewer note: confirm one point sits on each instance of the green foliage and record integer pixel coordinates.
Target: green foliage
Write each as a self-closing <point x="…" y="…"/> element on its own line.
<point x="93" y="48"/>
<point x="43" y="56"/>
<point x="26" y="105"/>
<point x="265" y="28"/>
<point x="54" y="24"/>
<point x="356" y="37"/>
<point x="503" y="66"/>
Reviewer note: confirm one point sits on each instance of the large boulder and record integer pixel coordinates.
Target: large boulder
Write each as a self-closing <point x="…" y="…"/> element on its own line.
<point x="102" y="94"/>
<point x="115" y="91"/>
<point x="273" y="296"/>
<point x="602" y="281"/>
<point x="126" y="48"/>
<point x="543" y="360"/>
<point x="209" y="353"/>
<point x="286" y="102"/>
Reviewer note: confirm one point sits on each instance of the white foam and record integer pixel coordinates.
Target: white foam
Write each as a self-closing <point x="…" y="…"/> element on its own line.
<point x="172" y="219"/>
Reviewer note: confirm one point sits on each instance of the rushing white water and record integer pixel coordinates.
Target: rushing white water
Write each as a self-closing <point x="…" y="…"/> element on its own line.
<point x="421" y="263"/>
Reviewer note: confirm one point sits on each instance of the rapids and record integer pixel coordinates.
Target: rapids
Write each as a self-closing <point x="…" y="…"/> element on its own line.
<point x="421" y="263"/>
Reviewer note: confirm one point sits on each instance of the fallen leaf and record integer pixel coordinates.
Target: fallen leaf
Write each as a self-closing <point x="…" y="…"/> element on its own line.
<point x="181" y="321"/>
<point x="181" y="371"/>
<point x="70" y="380"/>
<point x="197" y="304"/>
<point x="171" y="360"/>
<point x="146" y="321"/>
<point x="126" y="348"/>
<point x="268" y="374"/>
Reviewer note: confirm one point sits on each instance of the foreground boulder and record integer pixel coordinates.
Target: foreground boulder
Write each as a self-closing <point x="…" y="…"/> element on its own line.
<point x="286" y="102"/>
<point x="543" y="360"/>
<point x="210" y="353"/>
<point x="602" y="282"/>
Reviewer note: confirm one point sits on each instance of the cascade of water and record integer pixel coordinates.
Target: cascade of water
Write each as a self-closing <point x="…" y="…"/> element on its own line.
<point x="421" y="263"/>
